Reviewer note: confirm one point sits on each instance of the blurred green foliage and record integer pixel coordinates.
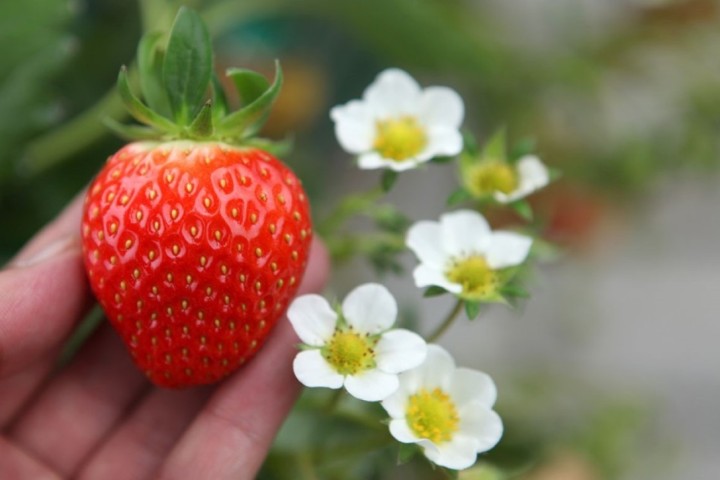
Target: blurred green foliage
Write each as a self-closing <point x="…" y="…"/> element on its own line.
<point x="614" y="95"/>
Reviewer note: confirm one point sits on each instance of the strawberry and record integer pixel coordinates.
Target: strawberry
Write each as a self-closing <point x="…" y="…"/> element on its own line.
<point x="195" y="240"/>
<point x="194" y="251"/>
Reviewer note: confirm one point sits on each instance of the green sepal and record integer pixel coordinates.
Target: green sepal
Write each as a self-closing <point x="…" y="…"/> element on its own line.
<point x="150" y="61"/>
<point x="523" y="208"/>
<point x="187" y="65"/>
<point x="131" y="132"/>
<point x="451" y="474"/>
<point x="276" y="148"/>
<point x="406" y="452"/>
<point x="389" y="219"/>
<point x="250" y="85"/>
<point x="507" y="274"/>
<point x="434" y="291"/>
<point x="458" y="196"/>
<point x="555" y="174"/>
<point x="514" y="291"/>
<point x="220" y="104"/>
<point x="388" y="179"/>
<point x="202" y="125"/>
<point x="521" y="148"/>
<point x="472" y="309"/>
<point x="470" y="144"/>
<point x="249" y="119"/>
<point x="138" y="109"/>
<point x="496" y="149"/>
<point x="442" y="159"/>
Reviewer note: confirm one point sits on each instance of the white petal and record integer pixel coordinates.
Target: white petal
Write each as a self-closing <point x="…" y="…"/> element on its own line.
<point x="312" y="319"/>
<point x="372" y="160"/>
<point x="508" y="197"/>
<point x="393" y="93"/>
<point x="464" y="232"/>
<point x="426" y="276"/>
<point x="370" y="308"/>
<point x="372" y="385"/>
<point x="436" y="370"/>
<point x="443" y="141"/>
<point x="424" y="239"/>
<point x="400" y="430"/>
<point x="407" y="164"/>
<point x="457" y="454"/>
<point x="354" y="126"/>
<point x="482" y="425"/>
<point x="507" y="249"/>
<point x="533" y="173"/>
<point x="399" y="350"/>
<point x="472" y="386"/>
<point x="441" y="106"/>
<point x="396" y="403"/>
<point x="533" y="176"/>
<point x="313" y="370"/>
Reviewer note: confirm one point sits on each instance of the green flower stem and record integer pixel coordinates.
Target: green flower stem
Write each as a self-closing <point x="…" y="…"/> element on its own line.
<point x="350" y="416"/>
<point x="335" y="399"/>
<point x="305" y="466"/>
<point x="344" y="247"/>
<point x="449" y="320"/>
<point x="75" y="135"/>
<point x="356" y="450"/>
<point x="347" y="208"/>
<point x="359" y="419"/>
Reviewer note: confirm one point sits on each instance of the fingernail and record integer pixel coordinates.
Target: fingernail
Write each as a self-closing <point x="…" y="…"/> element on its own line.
<point x="61" y="245"/>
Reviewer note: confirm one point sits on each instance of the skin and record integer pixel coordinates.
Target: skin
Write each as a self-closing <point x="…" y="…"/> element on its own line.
<point x="98" y="417"/>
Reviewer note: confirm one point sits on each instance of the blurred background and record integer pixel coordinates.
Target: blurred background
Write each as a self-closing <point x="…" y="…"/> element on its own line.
<point x="610" y="370"/>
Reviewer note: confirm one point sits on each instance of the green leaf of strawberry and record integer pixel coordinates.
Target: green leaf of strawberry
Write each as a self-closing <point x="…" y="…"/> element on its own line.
<point x="187" y="66"/>
<point x="195" y="238"/>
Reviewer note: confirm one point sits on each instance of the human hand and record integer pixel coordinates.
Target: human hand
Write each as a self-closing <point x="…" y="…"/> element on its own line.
<point x="98" y="416"/>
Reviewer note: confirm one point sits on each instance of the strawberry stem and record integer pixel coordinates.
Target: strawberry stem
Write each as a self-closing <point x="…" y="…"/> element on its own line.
<point x="202" y="126"/>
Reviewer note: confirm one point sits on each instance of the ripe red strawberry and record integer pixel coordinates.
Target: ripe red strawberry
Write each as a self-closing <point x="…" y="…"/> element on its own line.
<point x="194" y="251"/>
<point x="194" y="240"/>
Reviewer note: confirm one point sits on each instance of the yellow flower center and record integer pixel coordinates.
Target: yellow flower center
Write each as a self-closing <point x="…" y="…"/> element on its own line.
<point x="489" y="177"/>
<point x="478" y="280"/>
<point x="432" y="415"/>
<point x="399" y="138"/>
<point x="350" y="353"/>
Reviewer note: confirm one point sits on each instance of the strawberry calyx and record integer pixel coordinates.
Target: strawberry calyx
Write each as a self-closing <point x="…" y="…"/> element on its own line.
<point x="183" y="98"/>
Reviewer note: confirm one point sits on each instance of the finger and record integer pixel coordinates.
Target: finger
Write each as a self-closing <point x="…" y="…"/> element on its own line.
<point x="78" y="407"/>
<point x="16" y="464"/>
<point x="137" y="447"/>
<point x="15" y="389"/>
<point x="231" y="435"/>
<point x="42" y="292"/>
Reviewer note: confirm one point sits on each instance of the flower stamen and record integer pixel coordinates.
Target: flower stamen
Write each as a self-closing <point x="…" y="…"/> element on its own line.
<point x="350" y="353"/>
<point x="432" y="415"/>
<point x="473" y="273"/>
<point x="489" y="177"/>
<point x="399" y="138"/>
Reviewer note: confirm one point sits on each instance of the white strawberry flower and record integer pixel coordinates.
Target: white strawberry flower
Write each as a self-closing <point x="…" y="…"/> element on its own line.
<point x="504" y="181"/>
<point x="354" y="347"/>
<point x="397" y="125"/>
<point x="445" y="410"/>
<point x="461" y="254"/>
<point x="532" y="175"/>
